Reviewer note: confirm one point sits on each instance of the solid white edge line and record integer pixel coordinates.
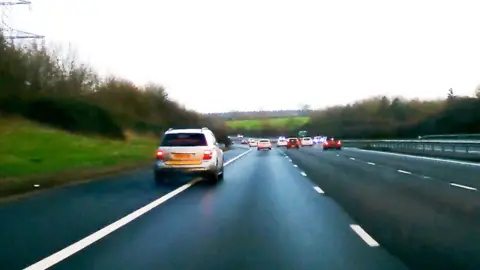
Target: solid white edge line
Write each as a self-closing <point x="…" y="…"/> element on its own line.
<point x="405" y="172"/>
<point x="371" y="163"/>
<point x="302" y="173"/>
<point x="92" y="238"/>
<point x="364" y="235"/>
<point x="319" y="190"/>
<point x="418" y="157"/>
<point x="462" y="186"/>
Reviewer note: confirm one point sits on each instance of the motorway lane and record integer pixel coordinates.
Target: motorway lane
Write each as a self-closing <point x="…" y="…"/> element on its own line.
<point x="461" y="172"/>
<point x="39" y="225"/>
<point x="427" y="223"/>
<point x="264" y="215"/>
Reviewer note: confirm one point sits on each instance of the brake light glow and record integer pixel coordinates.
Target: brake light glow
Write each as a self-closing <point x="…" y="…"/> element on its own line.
<point x="207" y="154"/>
<point x="326" y="143"/>
<point x="159" y="154"/>
<point x="339" y="142"/>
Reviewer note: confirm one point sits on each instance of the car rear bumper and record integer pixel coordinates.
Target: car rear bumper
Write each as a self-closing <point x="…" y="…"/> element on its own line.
<point x="332" y="147"/>
<point x="172" y="172"/>
<point x="205" y="166"/>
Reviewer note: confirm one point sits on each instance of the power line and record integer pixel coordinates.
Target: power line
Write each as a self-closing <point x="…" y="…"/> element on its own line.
<point x="13" y="3"/>
<point x="12" y="33"/>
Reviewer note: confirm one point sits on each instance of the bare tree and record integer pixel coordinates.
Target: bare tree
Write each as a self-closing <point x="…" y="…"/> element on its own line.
<point x="451" y="95"/>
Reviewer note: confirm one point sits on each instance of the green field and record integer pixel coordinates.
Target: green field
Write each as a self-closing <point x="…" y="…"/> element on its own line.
<point x="31" y="154"/>
<point x="296" y="121"/>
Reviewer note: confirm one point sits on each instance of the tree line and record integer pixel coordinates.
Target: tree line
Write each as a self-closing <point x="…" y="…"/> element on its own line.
<point x="38" y="84"/>
<point x="250" y="115"/>
<point x="59" y="91"/>
<point x="388" y="118"/>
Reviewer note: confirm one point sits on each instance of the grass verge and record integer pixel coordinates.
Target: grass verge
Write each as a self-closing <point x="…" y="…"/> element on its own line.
<point x="31" y="154"/>
<point x="274" y="122"/>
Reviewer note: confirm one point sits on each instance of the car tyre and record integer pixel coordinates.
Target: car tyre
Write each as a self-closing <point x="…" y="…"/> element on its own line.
<point x="212" y="177"/>
<point x="159" y="178"/>
<point x="222" y="172"/>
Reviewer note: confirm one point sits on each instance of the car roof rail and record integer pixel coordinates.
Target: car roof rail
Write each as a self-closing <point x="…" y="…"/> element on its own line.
<point x="170" y="129"/>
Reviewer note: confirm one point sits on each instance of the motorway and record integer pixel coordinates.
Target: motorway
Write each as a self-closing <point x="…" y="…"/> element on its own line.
<point x="279" y="209"/>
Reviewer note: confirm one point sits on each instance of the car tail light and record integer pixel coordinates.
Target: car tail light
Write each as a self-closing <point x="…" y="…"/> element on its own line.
<point x="207" y="154"/>
<point x="339" y="142"/>
<point x="326" y="143"/>
<point x="159" y="154"/>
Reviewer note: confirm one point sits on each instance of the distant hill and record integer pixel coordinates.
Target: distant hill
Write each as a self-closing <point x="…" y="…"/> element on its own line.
<point x="259" y="114"/>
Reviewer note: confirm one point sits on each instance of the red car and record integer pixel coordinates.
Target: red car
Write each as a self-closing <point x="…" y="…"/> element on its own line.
<point x="332" y="143"/>
<point x="293" y="143"/>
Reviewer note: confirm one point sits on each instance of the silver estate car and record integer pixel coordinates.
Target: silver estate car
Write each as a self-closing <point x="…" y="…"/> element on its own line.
<point x="189" y="151"/>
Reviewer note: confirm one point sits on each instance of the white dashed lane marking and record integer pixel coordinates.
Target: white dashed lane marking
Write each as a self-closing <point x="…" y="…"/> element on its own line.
<point x="352" y="158"/>
<point x="295" y="165"/>
<point x="319" y="190"/>
<point x="364" y="235"/>
<point x="405" y="172"/>
<point x="418" y="157"/>
<point x="371" y="163"/>
<point x="462" y="186"/>
<point x="304" y="174"/>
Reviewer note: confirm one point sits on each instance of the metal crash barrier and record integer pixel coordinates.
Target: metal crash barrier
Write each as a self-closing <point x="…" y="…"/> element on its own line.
<point x="442" y="148"/>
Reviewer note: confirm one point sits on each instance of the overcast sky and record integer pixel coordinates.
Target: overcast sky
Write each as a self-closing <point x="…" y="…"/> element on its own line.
<point x="226" y="55"/>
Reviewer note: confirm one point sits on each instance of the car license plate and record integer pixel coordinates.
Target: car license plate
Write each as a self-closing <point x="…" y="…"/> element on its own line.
<point x="183" y="162"/>
<point x="181" y="156"/>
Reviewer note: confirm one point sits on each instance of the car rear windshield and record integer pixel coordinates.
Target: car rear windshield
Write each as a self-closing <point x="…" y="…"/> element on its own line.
<point x="331" y="139"/>
<point x="307" y="139"/>
<point x="293" y="140"/>
<point x="264" y="141"/>
<point x="184" y="139"/>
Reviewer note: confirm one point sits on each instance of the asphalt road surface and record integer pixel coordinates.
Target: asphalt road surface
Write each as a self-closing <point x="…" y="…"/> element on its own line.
<point x="279" y="209"/>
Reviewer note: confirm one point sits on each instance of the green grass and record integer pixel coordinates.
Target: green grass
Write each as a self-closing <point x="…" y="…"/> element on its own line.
<point x="292" y="122"/>
<point x="29" y="151"/>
